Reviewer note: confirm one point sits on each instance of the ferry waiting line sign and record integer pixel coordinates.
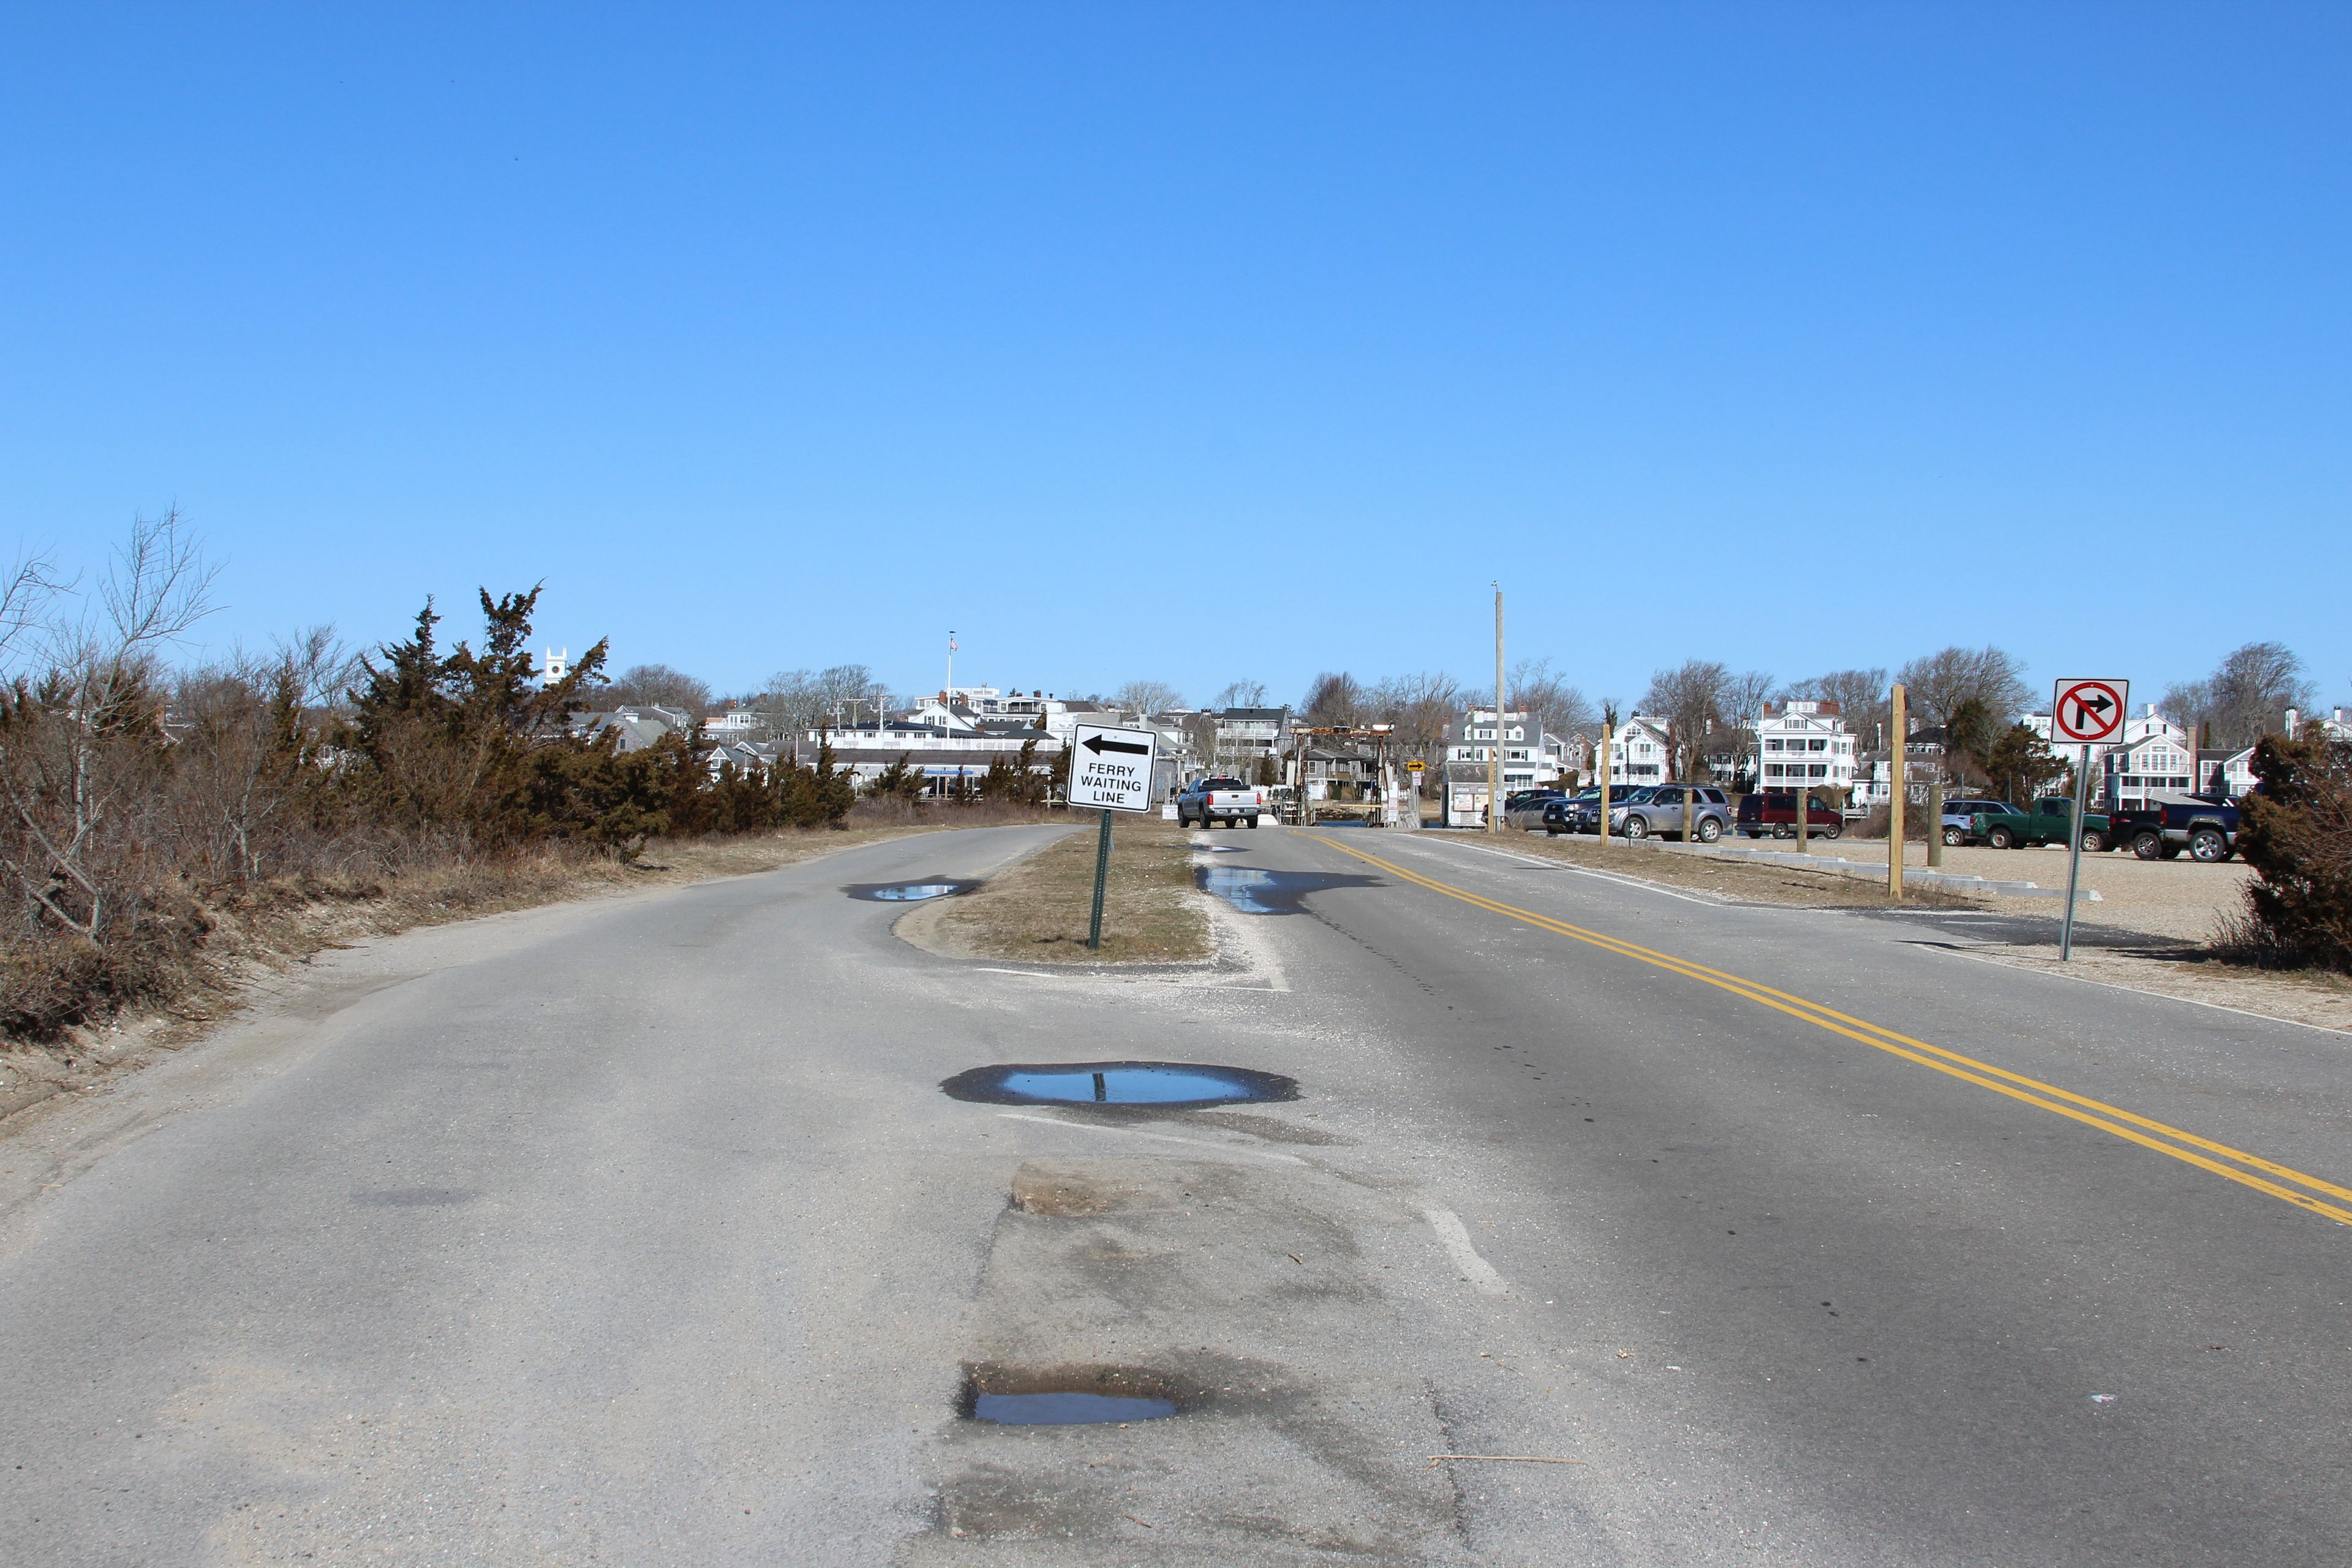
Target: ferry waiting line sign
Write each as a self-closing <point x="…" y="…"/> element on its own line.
<point x="2084" y="713"/>
<point x="1110" y="768"/>
<point x="2088" y="712"/>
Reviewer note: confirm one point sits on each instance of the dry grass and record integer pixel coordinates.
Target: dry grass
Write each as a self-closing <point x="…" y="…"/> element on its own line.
<point x="1669" y="866"/>
<point x="1035" y="911"/>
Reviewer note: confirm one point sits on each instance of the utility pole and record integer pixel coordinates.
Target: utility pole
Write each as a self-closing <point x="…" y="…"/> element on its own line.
<point x="1495" y="755"/>
<point x="1608" y="732"/>
<point x="1897" y="794"/>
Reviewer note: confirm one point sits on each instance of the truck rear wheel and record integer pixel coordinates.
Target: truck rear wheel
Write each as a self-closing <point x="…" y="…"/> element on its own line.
<point x="2095" y="842"/>
<point x="1253" y="822"/>
<point x="2207" y="845"/>
<point x="2001" y="838"/>
<point x="2147" y="845"/>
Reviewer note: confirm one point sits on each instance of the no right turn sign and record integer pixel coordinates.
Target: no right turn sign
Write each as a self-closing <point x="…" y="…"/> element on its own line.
<point x="2086" y="712"/>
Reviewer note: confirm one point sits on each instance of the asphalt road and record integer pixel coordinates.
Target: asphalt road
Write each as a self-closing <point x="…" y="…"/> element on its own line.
<point x="639" y="1232"/>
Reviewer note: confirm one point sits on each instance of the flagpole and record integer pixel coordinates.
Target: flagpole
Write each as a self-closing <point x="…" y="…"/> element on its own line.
<point x="948" y="695"/>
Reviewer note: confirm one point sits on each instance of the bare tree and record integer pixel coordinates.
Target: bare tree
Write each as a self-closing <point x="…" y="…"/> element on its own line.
<point x="1548" y="698"/>
<point x="2243" y="700"/>
<point x="1148" y="696"/>
<point x="656" y="685"/>
<point x="798" y="700"/>
<point x="1333" y="700"/>
<point x="1241" y="694"/>
<point x="1690" y="699"/>
<point x="248" y="742"/>
<point x="1991" y="681"/>
<point x="1421" y="707"/>
<point x="74" y="738"/>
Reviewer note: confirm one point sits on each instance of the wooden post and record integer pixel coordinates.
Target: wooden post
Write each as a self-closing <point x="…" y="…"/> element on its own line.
<point x="1494" y="756"/>
<point x="1936" y="818"/>
<point x="1804" y="769"/>
<point x="1898" y="749"/>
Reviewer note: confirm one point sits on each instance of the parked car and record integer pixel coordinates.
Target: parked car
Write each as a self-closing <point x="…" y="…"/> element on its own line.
<point x="2050" y="822"/>
<point x="1774" y="811"/>
<point x="2205" y="826"/>
<point x="1213" y="800"/>
<point x="1525" y="807"/>
<point x="1585" y="816"/>
<point x="1960" y="825"/>
<point x="1659" y="811"/>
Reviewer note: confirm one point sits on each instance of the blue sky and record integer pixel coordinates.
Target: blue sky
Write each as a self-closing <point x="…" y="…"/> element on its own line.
<point x="1204" y="342"/>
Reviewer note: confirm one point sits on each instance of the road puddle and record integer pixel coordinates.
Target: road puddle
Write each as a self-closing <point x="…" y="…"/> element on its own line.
<point x="1064" y="1395"/>
<point x="1065" y="1409"/>
<point x="1169" y="1086"/>
<point x="907" y="892"/>
<point x="1256" y="892"/>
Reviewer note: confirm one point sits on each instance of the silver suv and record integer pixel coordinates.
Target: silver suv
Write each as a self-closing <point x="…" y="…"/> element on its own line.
<point x="1659" y="809"/>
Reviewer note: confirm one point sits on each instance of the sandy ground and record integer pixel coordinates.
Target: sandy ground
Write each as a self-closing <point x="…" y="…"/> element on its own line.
<point x="2177" y="899"/>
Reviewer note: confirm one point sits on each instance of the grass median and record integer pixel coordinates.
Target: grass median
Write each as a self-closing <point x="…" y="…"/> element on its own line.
<point x="1036" y="909"/>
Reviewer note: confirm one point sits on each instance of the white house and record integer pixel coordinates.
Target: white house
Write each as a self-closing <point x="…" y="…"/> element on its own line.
<point x="2154" y="757"/>
<point x="1638" y="752"/>
<point x="737" y="720"/>
<point x="1803" y="744"/>
<point x="1246" y="734"/>
<point x="1472" y="739"/>
<point x="2336" y="726"/>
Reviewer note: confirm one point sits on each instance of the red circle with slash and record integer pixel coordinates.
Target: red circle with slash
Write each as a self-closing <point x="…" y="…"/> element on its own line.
<point x="2088" y="712"/>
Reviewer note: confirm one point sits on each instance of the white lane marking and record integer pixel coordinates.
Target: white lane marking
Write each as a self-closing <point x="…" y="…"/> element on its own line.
<point x="1452" y="1236"/>
<point x="1025" y="974"/>
<point x="1163" y="1137"/>
<point x="1713" y="903"/>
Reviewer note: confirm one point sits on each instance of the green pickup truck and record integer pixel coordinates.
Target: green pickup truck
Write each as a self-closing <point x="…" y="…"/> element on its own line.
<point x="2046" y="824"/>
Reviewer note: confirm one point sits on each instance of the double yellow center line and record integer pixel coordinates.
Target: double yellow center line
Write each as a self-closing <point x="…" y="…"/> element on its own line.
<point x="2278" y="1181"/>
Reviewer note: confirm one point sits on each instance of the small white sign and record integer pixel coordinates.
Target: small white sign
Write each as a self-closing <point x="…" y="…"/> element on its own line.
<point x="1112" y="768"/>
<point x="2088" y="712"/>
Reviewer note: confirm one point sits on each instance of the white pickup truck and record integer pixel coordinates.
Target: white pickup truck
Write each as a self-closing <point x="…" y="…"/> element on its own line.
<point x="1211" y="801"/>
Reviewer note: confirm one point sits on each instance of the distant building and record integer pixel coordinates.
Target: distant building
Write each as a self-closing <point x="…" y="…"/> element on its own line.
<point x="1804" y="745"/>
<point x="1472" y="739"/>
<point x="2154" y="758"/>
<point x="1638" y="752"/>
<point x="736" y="719"/>
<point x="1246" y="734"/>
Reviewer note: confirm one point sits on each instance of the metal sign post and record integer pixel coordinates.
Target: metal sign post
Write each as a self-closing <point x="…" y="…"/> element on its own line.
<point x="1111" y="769"/>
<point x="2088" y="713"/>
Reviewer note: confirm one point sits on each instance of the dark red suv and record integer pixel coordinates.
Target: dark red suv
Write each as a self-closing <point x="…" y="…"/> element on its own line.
<point x="1774" y="811"/>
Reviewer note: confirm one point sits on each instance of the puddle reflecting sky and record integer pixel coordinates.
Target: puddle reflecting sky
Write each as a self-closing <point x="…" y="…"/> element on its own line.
<point x="1066" y="1409"/>
<point x="1256" y="892"/>
<point x="907" y="893"/>
<point x="1169" y="1085"/>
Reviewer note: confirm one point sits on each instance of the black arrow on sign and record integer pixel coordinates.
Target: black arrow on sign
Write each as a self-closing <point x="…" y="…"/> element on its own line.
<point x="2091" y="705"/>
<point x="1097" y="745"/>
